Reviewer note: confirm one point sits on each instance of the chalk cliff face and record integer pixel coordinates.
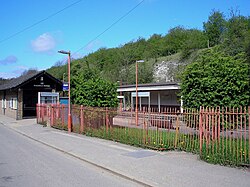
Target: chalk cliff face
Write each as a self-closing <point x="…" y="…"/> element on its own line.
<point x="169" y="68"/>
<point x="165" y="71"/>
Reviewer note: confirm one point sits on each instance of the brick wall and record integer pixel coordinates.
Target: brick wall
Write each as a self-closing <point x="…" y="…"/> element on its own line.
<point x="10" y="112"/>
<point x="20" y="104"/>
<point x="1" y="97"/>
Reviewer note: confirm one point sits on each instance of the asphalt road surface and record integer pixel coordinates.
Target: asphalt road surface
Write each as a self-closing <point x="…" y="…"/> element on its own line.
<point x="25" y="162"/>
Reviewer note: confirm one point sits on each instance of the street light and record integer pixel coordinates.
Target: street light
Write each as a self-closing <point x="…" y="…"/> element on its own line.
<point x="136" y="90"/>
<point x="69" y="108"/>
<point x="120" y="82"/>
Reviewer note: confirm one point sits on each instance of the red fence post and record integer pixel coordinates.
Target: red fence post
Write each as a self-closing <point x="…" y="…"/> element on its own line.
<point x="42" y="112"/>
<point x="37" y="115"/>
<point x="106" y="119"/>
<point x="82" y="120"/>
<point x="52" y="115"/>
<point x="248" y="134"/>
<point x="57" y="110"/>
<point x="48" y="115"/>
<point x="245" y="132"/>
<point x="219" y="124"/>
<point x="62" y="115"/>
<point x="200" y="128"/>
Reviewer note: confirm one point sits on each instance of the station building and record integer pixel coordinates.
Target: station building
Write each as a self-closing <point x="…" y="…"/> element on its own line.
<point x="19" y="96"/>
<point x="156" y="96"/>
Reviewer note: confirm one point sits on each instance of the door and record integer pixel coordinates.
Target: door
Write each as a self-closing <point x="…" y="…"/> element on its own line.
<point x="30" y="99"/>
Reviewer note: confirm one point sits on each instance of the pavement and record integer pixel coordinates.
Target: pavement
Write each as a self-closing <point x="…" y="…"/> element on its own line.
<point x="146" y="167"/>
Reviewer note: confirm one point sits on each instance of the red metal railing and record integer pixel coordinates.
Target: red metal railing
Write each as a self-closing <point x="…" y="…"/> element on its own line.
<point x="219" y="135"/>
<point x="224" y="134"/>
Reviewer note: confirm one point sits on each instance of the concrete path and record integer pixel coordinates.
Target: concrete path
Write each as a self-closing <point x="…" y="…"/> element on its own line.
<point x="28" y="163"/>
<point x="147" y="167"/>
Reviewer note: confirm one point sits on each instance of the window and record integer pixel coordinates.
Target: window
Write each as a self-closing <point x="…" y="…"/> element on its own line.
<point x="10" y="103"/>
<point x="13" y="103"/>
<point x="4" y="103"/>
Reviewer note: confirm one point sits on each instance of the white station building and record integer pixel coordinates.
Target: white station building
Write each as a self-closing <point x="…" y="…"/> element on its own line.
<point x="156" y="96"/>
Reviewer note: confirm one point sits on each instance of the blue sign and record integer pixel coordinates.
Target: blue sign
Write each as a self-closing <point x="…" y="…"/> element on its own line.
<point x="65" y="86"/>
<point x="64" y="100"/>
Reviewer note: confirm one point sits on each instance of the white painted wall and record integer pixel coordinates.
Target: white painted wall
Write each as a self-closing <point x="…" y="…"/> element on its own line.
<point x="166" y="97"/>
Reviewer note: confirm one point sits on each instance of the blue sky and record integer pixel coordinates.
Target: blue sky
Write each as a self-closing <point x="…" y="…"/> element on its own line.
<point x="75" y="27"/>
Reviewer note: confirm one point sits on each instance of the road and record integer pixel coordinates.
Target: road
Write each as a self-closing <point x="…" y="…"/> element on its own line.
<point x="25" y="162"/>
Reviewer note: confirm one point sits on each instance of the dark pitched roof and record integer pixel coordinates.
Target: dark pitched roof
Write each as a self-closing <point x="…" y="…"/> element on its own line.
<point x="24" y="79"/>
<point x="150" y="84"/>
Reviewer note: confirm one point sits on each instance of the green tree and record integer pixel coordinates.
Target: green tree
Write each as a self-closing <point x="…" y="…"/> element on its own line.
<point x="113" y="64"/>
<point x="195" y="40"/>
<point x="90" y="90"/>
<point x="175" y="40"/>
<point x="215" y="27"/>
<point x="59" y="70"/>
<point x="237" y="34"/>
<point x="127" y="57"/>
<point x="145" y="73"/>
<point x="29" y="72"/>
<point x="216" y="79"/>
<point x="155" y="47"/>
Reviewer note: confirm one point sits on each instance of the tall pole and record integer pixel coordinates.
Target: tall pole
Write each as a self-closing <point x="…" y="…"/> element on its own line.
<point x="69" y="103"/>
<point x="136" y="91"/>
<point x="120" y="98"/>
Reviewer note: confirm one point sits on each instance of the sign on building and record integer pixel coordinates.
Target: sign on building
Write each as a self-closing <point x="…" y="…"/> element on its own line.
<point x="48" y="97"/>
<point x="65" y="86"/>
<point x="141" y="94"/>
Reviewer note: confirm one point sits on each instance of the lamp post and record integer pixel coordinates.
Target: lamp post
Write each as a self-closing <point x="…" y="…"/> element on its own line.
<point x="120" y="95"/>
<point x="69" y="107"/>
<point x="136" y="90"/>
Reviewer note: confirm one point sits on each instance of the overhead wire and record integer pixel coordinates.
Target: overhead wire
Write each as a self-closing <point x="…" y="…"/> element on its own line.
<point x="54" y="14"/>
<point x="38" y="22"/>
<point x="110" y="26"/>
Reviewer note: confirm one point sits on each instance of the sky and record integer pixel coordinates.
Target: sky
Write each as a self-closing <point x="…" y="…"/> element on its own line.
<point x="33" y="31"/>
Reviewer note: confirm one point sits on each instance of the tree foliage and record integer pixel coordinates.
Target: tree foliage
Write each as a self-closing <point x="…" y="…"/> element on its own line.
<point x="237" y="34"/>
<point x="29" y="71"/>
<point x="3" y="81"/>
<point x="89" y="90"/>
<point x="216" y="79"/>
<point x="215" y="27"/>
<point x="118" y="64"/>
<point x="217" y="76"/>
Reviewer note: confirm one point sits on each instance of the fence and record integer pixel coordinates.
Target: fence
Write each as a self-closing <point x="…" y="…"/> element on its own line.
<point x="224" y="135"/>
<point x="219" y="135"/>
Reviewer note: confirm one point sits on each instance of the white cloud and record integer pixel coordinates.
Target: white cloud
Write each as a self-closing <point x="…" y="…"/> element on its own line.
<point x="44" y="43"/>
<point x="9" y="60"/>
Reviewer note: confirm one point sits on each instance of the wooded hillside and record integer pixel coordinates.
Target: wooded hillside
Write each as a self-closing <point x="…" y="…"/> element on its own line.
<point x="174" y="51"/>
<point x="212" y="64"/>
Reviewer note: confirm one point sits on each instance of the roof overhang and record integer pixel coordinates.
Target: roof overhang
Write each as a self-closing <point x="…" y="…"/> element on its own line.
<point x="148" y="87"/>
